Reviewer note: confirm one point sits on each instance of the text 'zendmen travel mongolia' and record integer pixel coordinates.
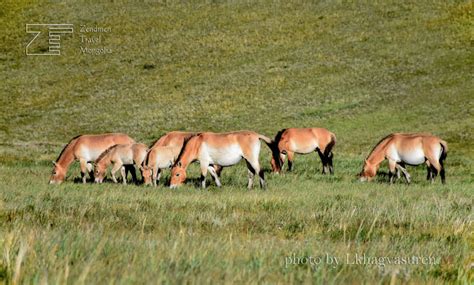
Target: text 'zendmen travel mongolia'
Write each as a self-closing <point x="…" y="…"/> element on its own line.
<point x="93" y="40"/>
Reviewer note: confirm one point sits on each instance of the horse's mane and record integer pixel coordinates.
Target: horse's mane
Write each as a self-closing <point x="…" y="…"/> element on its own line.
<point x="69" y="144"/>
<point x="105" y="152"/>
<point x="379" y="143"/>
<point x="278" y="135"/>
<point x="145" y="161"/>
<point x="185" y="143"/>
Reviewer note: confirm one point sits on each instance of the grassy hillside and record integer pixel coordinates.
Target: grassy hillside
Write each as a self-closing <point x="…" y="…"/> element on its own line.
<point x="361" y="70"/>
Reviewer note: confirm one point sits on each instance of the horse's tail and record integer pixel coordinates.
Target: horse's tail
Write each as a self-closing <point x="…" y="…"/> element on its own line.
<point x="273" y="145"/>
<point x="444" y="150"/>
<point x="266" y="139"/>
<point x="330" y="145"/>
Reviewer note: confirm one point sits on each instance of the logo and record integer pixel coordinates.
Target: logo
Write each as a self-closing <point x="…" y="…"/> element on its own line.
<point x="47" y="39"/>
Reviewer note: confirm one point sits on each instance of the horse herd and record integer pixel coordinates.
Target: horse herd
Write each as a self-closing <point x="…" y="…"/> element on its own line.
<point x="214" y="151"/>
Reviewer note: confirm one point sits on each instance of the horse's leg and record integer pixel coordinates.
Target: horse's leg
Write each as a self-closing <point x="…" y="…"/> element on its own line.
<point x="329" y="162"/>
<point x="157" y="176"/>
<point x="142" y="181"/>
<point x="435" y="167"/>
<point x="218" y="169"/>
<point x="251" y="174"/>
<point x="254" y="168"/>
<point x="442" y="172"/>
<point x="398" y="170"/>
<point x="214" y="175"/>
<point x="434" y="173"/>
<point x="291" y="156"/>
<point x="124" y="175"/>
<point x="261" y="176"/>
<point x="115" y="168"/>
<point x="428" y="170"/>
<point x="83" y="163"/>
<point x="323" y="161"/>
<point x="90" y="170"/>
<point x="204" y="167"/>
<point x="392" y="164"/>
<point x="131" y="168"/>
<point x="401" y="167"/>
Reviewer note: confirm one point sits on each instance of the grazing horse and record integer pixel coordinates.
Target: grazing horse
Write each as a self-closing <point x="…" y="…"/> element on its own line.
<point x="412" y="149"/>
<point x="86" y="149"/>
<point x="303" y="141"/>
<point x="119" y="155"/>
<point x="158" y="158"/>
<point x="174" y="140"/>
<point x="224" y="149"/>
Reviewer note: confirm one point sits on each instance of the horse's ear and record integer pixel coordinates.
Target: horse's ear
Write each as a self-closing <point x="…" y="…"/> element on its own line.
<point x="54" y="162"/>
<point x="179" y="164"/>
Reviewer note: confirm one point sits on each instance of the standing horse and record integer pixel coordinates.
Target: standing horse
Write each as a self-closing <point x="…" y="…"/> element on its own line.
<point x="412" y="149"/>
<point x="119" y="155"/>
<point x="303" y="141"/>
<point x="224" y="149"/>
<point x="86" y="149"/>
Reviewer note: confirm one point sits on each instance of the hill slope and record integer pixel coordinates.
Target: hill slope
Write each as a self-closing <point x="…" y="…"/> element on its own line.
<point x="360" y="70"/>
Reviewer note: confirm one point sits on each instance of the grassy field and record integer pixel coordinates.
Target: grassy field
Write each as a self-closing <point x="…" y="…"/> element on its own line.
<point x="361" y="70"/>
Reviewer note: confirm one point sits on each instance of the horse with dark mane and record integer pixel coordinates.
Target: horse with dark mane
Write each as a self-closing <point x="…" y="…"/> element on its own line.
<point x="224" y="149"/>
<point x="303" y="141"/>
<point x="412" y="149"/>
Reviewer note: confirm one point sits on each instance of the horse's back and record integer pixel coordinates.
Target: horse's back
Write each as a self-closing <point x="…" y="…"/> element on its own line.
<point x="90" y="147"/>
<point x="174" y="138"/>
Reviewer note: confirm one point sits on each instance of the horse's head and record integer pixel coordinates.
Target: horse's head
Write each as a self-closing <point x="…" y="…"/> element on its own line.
<point x="276" y="164"/>
<point x="368" y="171"/>
<point x="178" y="175"/>
<point x="147" y="173"/>
<point x="58" y="175"/>
<point x="99" y="172"/>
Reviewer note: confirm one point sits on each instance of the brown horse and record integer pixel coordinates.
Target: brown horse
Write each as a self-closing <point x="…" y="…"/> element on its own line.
<point x="86" y="149"/>
<point x="154" y="162"/>
<point x="412" y="149"/>
<point x="224" y="149"/>
<point x="119" y="155"/>
<point x="158" y="158"/>
<point x="303" y="141"/>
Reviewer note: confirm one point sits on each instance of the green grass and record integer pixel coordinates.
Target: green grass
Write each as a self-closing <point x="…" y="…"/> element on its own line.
<point x="361" y="70"/>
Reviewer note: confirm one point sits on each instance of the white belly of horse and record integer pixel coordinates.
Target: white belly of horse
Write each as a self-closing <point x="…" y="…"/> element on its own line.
<point x="225" y="156"/>
<point x="414" y="157"/>
<point x="127" y="160"/>
<point x="90" y="154"/>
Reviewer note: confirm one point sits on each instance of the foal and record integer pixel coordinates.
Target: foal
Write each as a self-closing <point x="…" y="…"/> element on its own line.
<point x="158" y="158"/>
<point x="119" y="155"/>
